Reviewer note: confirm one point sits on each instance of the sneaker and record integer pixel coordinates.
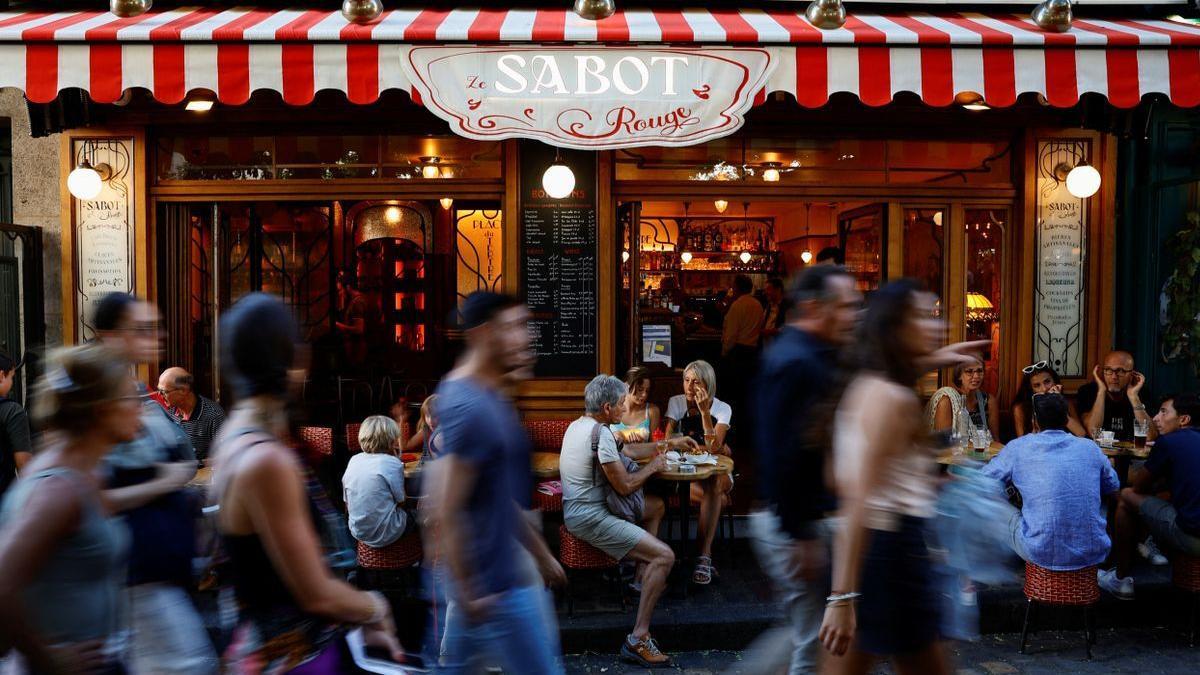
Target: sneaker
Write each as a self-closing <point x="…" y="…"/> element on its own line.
<point x="644" y="653"/>
<point x="1149" y="550"/>
<point x="1122" y="589"/>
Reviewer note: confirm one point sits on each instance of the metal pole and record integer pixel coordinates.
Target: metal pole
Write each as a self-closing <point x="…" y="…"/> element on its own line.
<point x="216" y="301"/>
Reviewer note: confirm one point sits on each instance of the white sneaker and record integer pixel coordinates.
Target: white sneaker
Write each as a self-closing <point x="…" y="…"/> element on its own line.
<point x="1122" y="589"/>
<point x="1149" y="550"/>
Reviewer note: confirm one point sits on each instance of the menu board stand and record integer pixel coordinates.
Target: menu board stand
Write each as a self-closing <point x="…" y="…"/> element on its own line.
<point x="559" y="275"/>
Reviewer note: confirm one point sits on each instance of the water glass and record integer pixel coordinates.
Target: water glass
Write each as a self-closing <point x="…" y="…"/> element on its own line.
<point x="981" y="439"/>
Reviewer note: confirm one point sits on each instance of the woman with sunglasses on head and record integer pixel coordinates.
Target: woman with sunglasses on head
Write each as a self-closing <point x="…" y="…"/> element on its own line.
<point x="948" y="404"/>
<point x="1040" y="378"/>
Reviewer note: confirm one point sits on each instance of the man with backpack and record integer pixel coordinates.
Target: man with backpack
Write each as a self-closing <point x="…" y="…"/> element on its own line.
<point x="601" y="486"/>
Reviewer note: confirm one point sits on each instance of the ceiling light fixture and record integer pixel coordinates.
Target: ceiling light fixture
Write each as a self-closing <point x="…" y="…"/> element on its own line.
<point x="361" y="11"/>
<point x="594" y="10"/>
<point x="826" y="14"/>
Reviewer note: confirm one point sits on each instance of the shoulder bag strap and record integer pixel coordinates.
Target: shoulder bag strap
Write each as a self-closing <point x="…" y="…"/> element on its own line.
<point x="595" y="441"/>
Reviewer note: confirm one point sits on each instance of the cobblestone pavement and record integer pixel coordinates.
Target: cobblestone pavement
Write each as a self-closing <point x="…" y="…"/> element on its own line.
<point x="1162" y="650"/>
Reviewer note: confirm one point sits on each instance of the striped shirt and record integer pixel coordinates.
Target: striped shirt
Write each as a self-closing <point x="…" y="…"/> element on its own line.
<point x="202" y="425"/>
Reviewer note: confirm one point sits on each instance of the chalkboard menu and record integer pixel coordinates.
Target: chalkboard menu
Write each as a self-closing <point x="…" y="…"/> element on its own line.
<point x="558" y="263"/>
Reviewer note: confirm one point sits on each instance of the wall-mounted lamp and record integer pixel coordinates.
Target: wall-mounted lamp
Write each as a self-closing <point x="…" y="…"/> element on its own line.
<point x="745" y="257"/>
<point x="826" y="14"/>
<point x="86" y="181"/>
<point x="720" y="205"/>
<point x="685" y="257"/>
<point x="429" y="168"/>
<point x="559" y="180"/>
<point x="624" y="256"/>
<point x="361" y="11"/>
<point x="806" y="256"/>
<point x="1082" y="181"/>
<point x="771" y="172"/>
<point x="446" y="202"/>
<point x="973" y="101"/>
<point x="594" y="10"/>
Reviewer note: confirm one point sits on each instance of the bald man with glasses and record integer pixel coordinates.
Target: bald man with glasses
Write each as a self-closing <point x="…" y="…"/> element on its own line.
<point x="1113" y="400"/>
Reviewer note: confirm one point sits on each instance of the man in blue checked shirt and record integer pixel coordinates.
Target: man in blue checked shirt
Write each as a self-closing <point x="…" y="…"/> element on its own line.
<point x="1062" y="480"/>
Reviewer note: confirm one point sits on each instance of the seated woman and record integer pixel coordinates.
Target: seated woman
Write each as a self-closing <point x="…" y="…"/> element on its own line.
<point x="947" y="403"/>
<point x="373" y="485"/>
<point x="425" y="439"/>
<point x="640" y="417"/>
<point x="1040" y="378"/>
<point x="700" y="415"/>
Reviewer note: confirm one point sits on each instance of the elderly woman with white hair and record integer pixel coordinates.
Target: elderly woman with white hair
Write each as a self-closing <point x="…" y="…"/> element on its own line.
<point x="697" y="413"/>
<point x="592" y="463"/>
<point x="373" y="485"/>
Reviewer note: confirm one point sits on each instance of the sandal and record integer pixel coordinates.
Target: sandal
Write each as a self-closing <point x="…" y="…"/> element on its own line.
<point x="704" y="572"/>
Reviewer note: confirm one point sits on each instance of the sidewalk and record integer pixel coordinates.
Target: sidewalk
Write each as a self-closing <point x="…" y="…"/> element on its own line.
<point x="1136" y="650"/>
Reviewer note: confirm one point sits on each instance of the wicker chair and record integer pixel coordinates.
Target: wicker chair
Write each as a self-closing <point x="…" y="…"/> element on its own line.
<point x="1185" y="575"/>
<point x="579" y="556"/>
<point x="319" y="439"/>
<point x="547" y="435"/>
<point x="1075" y="588"/>
<point x="379" y="566"/>
<point x="352" y="438"/>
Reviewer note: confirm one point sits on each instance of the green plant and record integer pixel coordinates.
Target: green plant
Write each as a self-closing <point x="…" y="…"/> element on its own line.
<point x="1181" y="301"/>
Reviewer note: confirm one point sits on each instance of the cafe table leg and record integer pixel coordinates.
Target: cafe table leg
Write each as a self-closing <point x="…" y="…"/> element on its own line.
<point x="684" y="492"/>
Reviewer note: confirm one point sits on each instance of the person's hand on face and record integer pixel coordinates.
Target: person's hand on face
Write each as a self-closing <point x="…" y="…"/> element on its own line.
<point x="1136" y="382"/>
<point x="703" y="398"/>
<point x="1099" y="377"/>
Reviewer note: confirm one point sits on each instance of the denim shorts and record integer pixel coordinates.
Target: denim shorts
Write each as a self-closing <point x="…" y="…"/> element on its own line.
<point x="1163" y="521"/>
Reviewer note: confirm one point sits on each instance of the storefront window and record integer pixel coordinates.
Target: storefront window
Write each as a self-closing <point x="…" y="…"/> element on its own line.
<point x="195" y="157"/>
<point x="480" y="250"/>
<point x="985" y="255"/>
<point x="808" y="161"/>
<point x="924" y="246"/>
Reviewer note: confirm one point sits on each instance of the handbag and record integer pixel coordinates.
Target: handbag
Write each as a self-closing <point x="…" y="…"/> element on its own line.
<point x="626" y="507"/>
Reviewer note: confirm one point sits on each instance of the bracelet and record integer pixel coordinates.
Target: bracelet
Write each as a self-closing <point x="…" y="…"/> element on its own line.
<point x="842" y="597"/>
<point x="379" y="608"/>
<point x="1140" y="407"/>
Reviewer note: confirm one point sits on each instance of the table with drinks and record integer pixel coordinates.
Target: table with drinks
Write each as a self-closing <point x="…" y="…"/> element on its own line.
<point x="970" y="443"/>
<point x="1123" y="453"/>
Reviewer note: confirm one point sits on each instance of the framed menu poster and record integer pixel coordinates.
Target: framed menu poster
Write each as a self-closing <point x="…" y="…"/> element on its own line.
<point x="1060" y="290"/>
<point x="558" y="262"/>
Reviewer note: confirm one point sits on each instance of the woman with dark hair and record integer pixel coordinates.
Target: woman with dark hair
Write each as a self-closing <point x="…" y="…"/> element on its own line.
<point x="62" y="554"/>
<point x="273" y="514"/>
<point x="964" y="399"/>
<point x="887" y="484"/>
<point x="640" y="418"/>
<point x="1040" y="378"/>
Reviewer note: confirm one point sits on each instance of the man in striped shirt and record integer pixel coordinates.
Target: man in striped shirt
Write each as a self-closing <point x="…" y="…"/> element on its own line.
<point x="200" y="417"/>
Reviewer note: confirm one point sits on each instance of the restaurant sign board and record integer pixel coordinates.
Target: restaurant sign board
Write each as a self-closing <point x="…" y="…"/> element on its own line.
<point x="590" y="97"/>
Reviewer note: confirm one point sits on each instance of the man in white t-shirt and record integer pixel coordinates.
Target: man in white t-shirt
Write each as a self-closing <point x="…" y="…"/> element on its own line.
<point x="585" y="507"/>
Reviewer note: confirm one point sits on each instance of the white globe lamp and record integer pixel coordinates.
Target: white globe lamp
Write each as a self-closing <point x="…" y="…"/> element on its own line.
<point x="1083" y="181"/>
<point x="559" y="180"/>
<point x="84" y="182"/>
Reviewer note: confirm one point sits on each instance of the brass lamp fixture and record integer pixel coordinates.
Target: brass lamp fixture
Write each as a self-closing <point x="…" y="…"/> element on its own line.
<point x="361" y="11"/>
<point x="128" y="8"/>
<point x="826" y="14"/>
<point x="1053" y="16"/>
<point x="594" y="10"/>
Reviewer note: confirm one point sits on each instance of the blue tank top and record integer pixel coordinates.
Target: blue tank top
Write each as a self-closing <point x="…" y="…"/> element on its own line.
<point x="644" y="424"/>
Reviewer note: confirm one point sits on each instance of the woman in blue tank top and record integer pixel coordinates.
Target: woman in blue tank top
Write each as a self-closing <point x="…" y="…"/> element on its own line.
<point x="641" y="417"/>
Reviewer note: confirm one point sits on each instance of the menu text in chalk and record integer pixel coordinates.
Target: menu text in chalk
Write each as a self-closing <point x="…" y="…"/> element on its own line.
<point x="558" y="263"/>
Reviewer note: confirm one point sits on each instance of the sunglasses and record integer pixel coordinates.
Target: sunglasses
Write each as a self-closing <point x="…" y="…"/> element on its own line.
<point x="1033" y="368"/>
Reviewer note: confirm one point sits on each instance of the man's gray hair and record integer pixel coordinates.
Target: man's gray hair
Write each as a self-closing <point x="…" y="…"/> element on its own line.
<point x="603" y="389"/>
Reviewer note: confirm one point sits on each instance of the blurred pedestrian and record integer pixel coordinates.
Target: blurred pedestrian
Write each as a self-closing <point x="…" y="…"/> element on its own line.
<point x="798" y="387"/>
<point x="146" y="480"/>
<point x="273" y="516"/>
<point x="487" y="485"/>
<point x="199" y="416"/>
<point x="16" y="445"/>
<point x="884" y="603"/>
<point x="62" y="554"/>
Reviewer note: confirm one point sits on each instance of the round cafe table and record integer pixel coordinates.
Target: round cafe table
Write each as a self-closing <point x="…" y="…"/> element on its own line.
<point x="1122" y="454"/>
<point x="683" y="483"/>
<point x="545" y="465"/>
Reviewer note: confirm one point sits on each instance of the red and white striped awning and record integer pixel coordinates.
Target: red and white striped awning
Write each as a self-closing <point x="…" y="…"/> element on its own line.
<point x="235" y="52"/>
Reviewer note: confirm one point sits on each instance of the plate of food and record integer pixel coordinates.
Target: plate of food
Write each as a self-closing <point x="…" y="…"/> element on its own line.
<point x="698" y="459"/>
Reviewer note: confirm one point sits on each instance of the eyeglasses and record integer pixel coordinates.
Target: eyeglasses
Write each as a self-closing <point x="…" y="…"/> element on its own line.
<point x="1119" y="372"/>
<point x="973" y="371"/>
<point x="164" y="392"/>
<point x="1034" y="368"/>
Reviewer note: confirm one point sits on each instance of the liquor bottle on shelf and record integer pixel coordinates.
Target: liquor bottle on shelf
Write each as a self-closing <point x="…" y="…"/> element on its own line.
<point x="718" y="243"/>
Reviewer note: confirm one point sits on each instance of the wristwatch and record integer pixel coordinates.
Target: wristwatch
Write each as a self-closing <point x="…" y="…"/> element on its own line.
<point x="1140" y="407"/>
